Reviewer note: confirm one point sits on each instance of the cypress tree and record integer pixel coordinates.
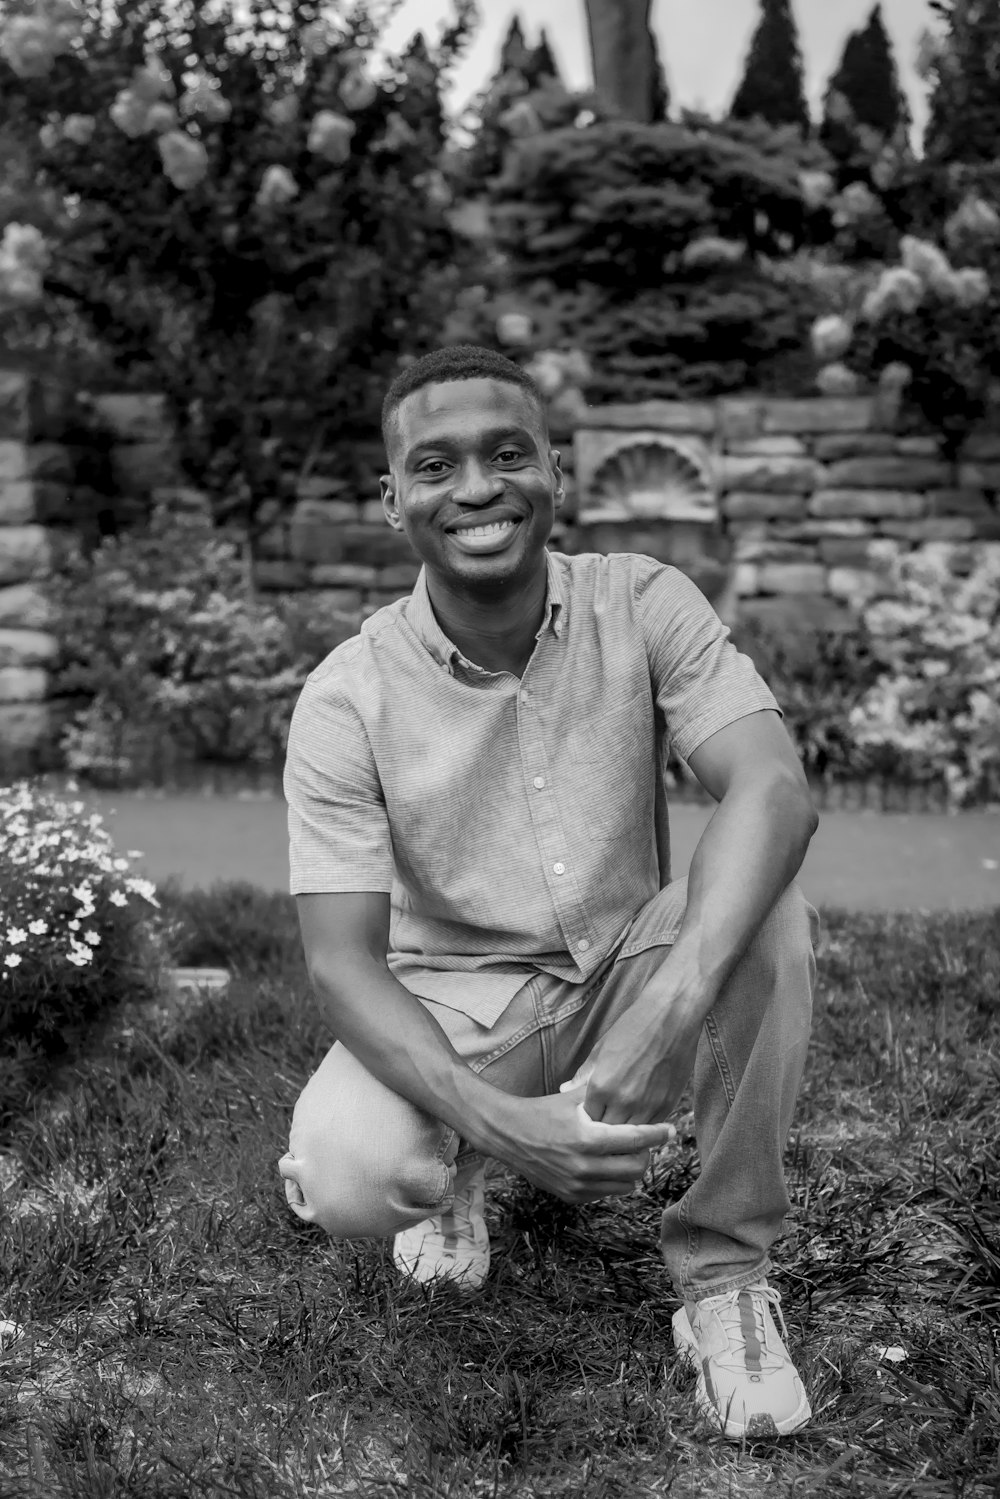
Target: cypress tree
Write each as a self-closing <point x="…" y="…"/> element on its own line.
<point x="515" y="54"/>
<point x="541" y="63"/>
<point x="772" y="86"/>
<point x="964" y="123"/>
<point x="868" y="80"/>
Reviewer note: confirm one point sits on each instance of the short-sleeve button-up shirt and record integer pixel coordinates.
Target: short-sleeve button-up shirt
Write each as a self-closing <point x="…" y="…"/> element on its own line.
<point x="517" y="824"/>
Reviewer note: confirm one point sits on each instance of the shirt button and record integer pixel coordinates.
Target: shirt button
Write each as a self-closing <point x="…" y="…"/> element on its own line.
<point x="539" y="782"/>
<point x="559" y="868"/>
<point x="524" y="695"/>
<point x="583" y="944"/>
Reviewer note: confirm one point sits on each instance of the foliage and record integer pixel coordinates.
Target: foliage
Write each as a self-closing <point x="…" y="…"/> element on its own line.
<point x="928" y="328"/>
<point x="964" y="72"/>
<point x="772" y="86"/>
<point x="73" y="946"/>
<point x="240" y="207"/>
<point x="175" y="660"/>
<point x="817" y="679"/>
<point x="642" y="245"/>
<point x="936" y="703"/>
<point x="150" y="1237"/>
<point x="864" y="90"/>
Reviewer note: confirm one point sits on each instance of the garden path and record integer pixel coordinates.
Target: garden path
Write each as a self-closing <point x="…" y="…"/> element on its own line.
<point x="860" y="861"/>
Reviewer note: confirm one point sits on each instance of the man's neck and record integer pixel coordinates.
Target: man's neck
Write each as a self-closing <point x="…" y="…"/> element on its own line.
<point x="496" y="632"/>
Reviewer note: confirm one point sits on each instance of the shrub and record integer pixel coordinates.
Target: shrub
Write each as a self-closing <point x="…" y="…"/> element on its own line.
<point x="935" y="705"/>
<point x="177" y="659"/>
<point x="74" y="940"/>
<point x="817" y="680"/>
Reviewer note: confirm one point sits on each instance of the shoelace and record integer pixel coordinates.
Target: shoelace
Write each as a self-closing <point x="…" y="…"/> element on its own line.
<point x="456" y="1224"/>
<point x="752" y="1329"/>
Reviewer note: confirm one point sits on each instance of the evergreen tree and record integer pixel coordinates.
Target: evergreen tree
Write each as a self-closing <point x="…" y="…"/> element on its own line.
<point x="542" y="64"/>
<point x="772" y="86"/>
<point x="515" y="54"/>
<point x="868" y="81"/>
<point x="964" y="121"/>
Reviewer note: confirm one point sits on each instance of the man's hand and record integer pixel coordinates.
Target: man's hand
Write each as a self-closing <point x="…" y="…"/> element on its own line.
<point x="640" y="1067"/>
<point x="555" y="1144"/>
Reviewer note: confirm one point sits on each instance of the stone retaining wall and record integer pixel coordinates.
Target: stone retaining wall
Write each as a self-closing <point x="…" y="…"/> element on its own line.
<point x="771" y="505"/>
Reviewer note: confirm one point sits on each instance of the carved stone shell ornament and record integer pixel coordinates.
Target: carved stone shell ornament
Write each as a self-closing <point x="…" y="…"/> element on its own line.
<point x="650" y="480"/>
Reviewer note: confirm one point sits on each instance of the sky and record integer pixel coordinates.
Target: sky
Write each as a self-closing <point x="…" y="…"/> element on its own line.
<point x="703" y="42"/>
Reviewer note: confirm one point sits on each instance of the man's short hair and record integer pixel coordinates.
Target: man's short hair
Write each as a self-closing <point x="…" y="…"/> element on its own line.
<point x="457" y="362"/>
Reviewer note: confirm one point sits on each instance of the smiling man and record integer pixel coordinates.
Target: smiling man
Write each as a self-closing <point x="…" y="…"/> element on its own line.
<point x="480" y="858"/>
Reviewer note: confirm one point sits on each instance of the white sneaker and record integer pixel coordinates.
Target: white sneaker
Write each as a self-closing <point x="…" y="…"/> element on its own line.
<point x="748" y="1386"/>
<point x="454" y="1246"/>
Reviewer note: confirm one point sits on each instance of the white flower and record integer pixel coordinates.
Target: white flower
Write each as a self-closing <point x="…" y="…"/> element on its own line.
<point x="25" y="246"/>
<point x="925" y="260"/>
<point x="185" y="160"/>
<point x="117" y="898"/>
<point x="895" y="376"/>
<point x="12" y="959"/>
<point x="277" y="186"/>
<point x="315" y="38"/>
<point x="514" y="329"/>
<point x="92" y="938"/>
<point x="15" y="935"/>
<point x="837" y="380"/>
<point x="283" y="111"/>
<point x="831" y="338"/>
<point x="897" y="288"/>
<point x="79" y="129"/>
<point x="30" y="45"/>
<point x="330" y="136"/>
<point x="129" y="113"/>
<point x="970" y="287"/>
<point x="161" y="117"/>
<point x="49" y="135"/>
<point x="357" y="91"/>
<point x="38" y="927"/>
<point x="816" y="188"/>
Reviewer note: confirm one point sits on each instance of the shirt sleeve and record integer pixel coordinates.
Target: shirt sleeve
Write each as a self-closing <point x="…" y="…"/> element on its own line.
<point x="338" y="828"/>
<point x="701" y="682"/>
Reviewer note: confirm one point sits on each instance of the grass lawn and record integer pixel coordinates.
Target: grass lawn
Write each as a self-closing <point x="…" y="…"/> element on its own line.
<point x="185" y="1335"/>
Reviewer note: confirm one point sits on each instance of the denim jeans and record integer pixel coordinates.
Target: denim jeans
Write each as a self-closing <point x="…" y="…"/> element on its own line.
<point x="364" y="1163"/>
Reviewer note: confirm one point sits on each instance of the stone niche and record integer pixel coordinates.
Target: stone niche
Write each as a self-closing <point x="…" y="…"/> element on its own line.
<point x="654" y="492"/>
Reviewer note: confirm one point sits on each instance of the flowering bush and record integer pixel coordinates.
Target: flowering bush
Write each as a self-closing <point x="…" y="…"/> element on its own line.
<point x="935" y="707"/>
<point x="245" y="214"/>
<point x="924" y="326"/>
<point x="175" y="660"/>
<point x="76" y="935"/>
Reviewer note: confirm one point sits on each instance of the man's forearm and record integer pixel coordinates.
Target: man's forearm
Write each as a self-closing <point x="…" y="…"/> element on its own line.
<point x="749" y="853"/>
<point x="389" y="1031"/>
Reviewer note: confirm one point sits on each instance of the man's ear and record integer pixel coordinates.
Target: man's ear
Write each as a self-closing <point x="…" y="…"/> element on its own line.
<point x="560" y="494"/>
<point x="388" y="490"/>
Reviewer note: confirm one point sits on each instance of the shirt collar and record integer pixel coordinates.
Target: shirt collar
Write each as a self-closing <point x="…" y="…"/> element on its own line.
<point x="422" y="619"/>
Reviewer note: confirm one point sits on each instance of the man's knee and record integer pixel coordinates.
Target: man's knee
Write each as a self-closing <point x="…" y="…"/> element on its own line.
<point x="358" y="1194"/>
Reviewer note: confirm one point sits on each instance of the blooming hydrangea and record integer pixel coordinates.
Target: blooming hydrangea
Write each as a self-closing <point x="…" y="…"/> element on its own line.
<point x="816" y="188"/>
<point x="277" y="187"/>
<point x="855" y="204"/>
<point x="24" y="257"/>
<point x="974" y="220"/>
<point x="938" y="700"/>
<point x="514" y="329"/>
<point x="185" y="160"/>
<point x="831" y="337"/>
<point x="928" y="262"/>
<point x="283" y="111"/>
<point x="357" y="91"/>
<point x="970" y="287"/>
<point x="330" y="136"/>
<point x="79" y="129"/>
<point x="897" y="289"/>
<point x="205" y="99"/>
<point x="836" y="379"/>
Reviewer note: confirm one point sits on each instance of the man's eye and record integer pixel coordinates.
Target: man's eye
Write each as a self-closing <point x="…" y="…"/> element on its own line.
<point x="433" y="467"/>
<point x="509" y="455"/>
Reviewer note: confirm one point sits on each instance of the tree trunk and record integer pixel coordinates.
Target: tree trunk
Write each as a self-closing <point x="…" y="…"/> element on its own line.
<point x="623" y="55"/>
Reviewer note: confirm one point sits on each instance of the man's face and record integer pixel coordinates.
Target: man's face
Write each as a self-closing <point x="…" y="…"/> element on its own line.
<point x="472" y="454"/>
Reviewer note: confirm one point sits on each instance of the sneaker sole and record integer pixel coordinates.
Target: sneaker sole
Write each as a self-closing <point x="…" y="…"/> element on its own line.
<point x="760" y="1426"/>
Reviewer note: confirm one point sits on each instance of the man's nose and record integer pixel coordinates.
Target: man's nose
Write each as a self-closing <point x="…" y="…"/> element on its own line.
<point x="478" y="484"/>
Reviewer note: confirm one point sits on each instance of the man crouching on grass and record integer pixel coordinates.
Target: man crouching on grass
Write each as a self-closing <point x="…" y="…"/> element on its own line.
<point x="482" y="878"/>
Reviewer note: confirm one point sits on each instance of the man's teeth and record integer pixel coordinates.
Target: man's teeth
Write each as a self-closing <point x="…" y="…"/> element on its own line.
<point x="500" y="525"/>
